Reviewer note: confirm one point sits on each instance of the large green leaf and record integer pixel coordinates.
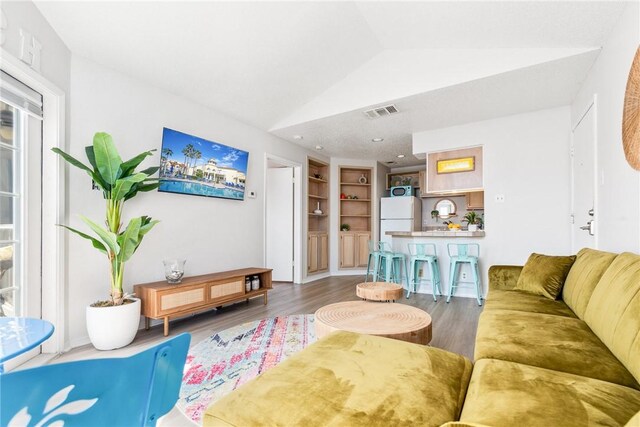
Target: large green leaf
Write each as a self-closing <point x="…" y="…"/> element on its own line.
<point x="75" y="162"/>
<point x="110" y="239"/>
<point x="95" y="242"/>
<point x="129" y="240"/>
<point x="95" y="175"/>
<point x="150" y="171"/>
<point x="107" y="158"/>
<point x="147" y="225"/>
<point x="123" y="185"/>
<point x="147" y="185"/>
<point x="128" y="167"/>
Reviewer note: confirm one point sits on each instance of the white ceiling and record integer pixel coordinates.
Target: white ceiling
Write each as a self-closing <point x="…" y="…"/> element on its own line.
<point x="311" y="68"/>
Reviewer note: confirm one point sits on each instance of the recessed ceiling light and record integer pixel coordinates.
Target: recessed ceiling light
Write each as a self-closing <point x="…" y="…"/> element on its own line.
<point x="400" y="156"/>
<point x="319" y="147"/>
<point x="377" y="140"/>
<point x="298" y="137"/>
<point x="390" y="162"/>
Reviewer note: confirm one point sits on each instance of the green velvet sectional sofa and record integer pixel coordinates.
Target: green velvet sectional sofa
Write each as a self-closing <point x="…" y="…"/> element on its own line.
<point x="574" y="361"/>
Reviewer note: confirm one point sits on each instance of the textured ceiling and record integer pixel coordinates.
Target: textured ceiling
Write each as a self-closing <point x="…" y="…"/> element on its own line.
<point x="533" y="88"/>
<point x="265" y="62"/>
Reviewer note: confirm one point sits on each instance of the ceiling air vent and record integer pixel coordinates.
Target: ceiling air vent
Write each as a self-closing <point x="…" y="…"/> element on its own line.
<point x="384" y="111"/>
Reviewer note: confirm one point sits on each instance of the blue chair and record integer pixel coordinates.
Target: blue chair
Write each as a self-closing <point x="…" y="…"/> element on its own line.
<point x="459" y="256"/>
<point x="374" y="254"/>
<point x="393" y="263"/>
<point x="421" y="253"/>
<point x="131" y="391"/>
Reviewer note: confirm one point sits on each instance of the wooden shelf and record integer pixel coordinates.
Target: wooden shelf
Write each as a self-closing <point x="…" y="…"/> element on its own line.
<point x="318" y="225"/>
<point x="314" y="179"/>
<point x="356" y="213"/>
<point x="394" y="179"/>
<point x="355" y="184"/>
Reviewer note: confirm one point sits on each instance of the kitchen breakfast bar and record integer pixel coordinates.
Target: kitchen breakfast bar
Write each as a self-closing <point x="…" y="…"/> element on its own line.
<point x="441" y="239"/>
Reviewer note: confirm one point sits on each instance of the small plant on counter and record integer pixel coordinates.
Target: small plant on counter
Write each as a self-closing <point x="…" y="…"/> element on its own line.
<point x="345" y="227"/>
<point x="471" y="218"/>
<point x="435" y="213"/>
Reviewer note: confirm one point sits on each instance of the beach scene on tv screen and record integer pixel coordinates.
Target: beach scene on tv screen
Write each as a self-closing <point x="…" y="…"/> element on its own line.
<point x="192" y="165"/>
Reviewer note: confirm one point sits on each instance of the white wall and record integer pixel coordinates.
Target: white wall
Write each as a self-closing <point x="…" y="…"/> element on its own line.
<point x="55" y="57"/>
<point x="212" y="234"/>
<point x="526" y="158"/>
<point x="618" y="192"/>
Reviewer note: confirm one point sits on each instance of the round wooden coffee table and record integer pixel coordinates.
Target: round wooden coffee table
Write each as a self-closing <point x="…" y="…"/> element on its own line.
<point x="379" y="291"/>
<point x="398" y="321"/>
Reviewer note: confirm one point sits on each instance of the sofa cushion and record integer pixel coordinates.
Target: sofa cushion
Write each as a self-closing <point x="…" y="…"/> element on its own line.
<point x="524" y="301"/>
<point x="544" y="275"/>
<point x="511" y="394"/>
<point x="352" y="380"/>
<point x="583" y="277"/>
<point x="554" y="342"/>
<point x="613" y="311"/>
<point x="504" y="277"/>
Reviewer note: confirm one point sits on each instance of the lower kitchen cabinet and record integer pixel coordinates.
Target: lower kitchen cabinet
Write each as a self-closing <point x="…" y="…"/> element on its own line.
<point x="317" y="252"/>
<point x="354" y="249"/>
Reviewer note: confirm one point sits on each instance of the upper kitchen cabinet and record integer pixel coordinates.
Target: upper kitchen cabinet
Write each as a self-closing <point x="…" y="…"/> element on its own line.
<point x="403" y="178"/>
<point x="454" y="171"/>
<point x="475" y="200"/>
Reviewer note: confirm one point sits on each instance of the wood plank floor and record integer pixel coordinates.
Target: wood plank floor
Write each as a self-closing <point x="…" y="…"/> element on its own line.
<point x="454" y="324"/>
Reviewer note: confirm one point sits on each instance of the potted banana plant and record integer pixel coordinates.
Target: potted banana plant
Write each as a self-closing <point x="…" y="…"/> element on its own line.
<point x="113" y="323"/>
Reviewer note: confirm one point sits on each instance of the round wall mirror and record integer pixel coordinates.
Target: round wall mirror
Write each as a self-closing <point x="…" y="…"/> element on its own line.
<point x="446" y="208"/>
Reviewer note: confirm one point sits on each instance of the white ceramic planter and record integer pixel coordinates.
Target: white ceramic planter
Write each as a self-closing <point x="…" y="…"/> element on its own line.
<point x="473" y="227"/>
<point x="113" y="327"/>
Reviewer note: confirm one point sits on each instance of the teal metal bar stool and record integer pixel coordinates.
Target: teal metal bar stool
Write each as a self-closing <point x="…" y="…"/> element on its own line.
<point x="394" y="264"/>
<point x="421" y="253"/>
<point x="374" y="254"/>
<point x="462" y="254"/>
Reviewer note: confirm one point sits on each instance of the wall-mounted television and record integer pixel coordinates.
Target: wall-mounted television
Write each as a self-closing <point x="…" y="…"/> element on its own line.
<point x="199" y="167"/>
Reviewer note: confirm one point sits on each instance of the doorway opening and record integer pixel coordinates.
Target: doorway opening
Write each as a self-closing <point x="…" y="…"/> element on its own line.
<point x="584" y="194"/>
<point x="282" y="218"/>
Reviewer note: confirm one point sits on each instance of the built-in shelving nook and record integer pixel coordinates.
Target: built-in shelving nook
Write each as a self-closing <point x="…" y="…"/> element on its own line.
<point x="355" y="214"/>
<point x="318" y="214"/>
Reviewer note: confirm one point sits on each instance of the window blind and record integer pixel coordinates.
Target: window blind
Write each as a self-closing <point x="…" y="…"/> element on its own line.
<point x="19" y="95"/>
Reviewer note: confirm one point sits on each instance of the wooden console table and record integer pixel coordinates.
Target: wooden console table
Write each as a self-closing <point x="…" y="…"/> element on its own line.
<point x="162" y="300"/>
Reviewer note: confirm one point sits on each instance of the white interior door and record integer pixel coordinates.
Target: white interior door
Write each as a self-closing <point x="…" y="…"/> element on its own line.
<point x="584" y="183"/>
<point x="279" y="223"/>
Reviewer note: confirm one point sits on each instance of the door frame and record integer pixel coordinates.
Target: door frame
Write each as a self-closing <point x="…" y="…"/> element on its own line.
<point x="591" y="105"/>
<point x="53" y="198"/>
<point x="297" y="212"/>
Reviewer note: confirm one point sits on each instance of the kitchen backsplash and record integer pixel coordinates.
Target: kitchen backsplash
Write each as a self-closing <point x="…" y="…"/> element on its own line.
<point x="428" y="204"/>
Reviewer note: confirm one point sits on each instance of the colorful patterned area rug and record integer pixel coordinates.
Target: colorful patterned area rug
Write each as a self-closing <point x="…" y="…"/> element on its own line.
<point x="226" y="360"/>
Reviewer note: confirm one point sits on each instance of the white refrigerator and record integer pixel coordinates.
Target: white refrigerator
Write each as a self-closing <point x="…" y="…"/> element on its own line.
<point x="399" y="214"/>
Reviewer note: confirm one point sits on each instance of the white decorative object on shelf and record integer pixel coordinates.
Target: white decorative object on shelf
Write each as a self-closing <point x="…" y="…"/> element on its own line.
<point x="318" y="211"/>
<point x="362" y="179"/>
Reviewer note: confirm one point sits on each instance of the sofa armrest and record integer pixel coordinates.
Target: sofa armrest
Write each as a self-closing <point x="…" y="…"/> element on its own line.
<point x="504" y="277"/>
